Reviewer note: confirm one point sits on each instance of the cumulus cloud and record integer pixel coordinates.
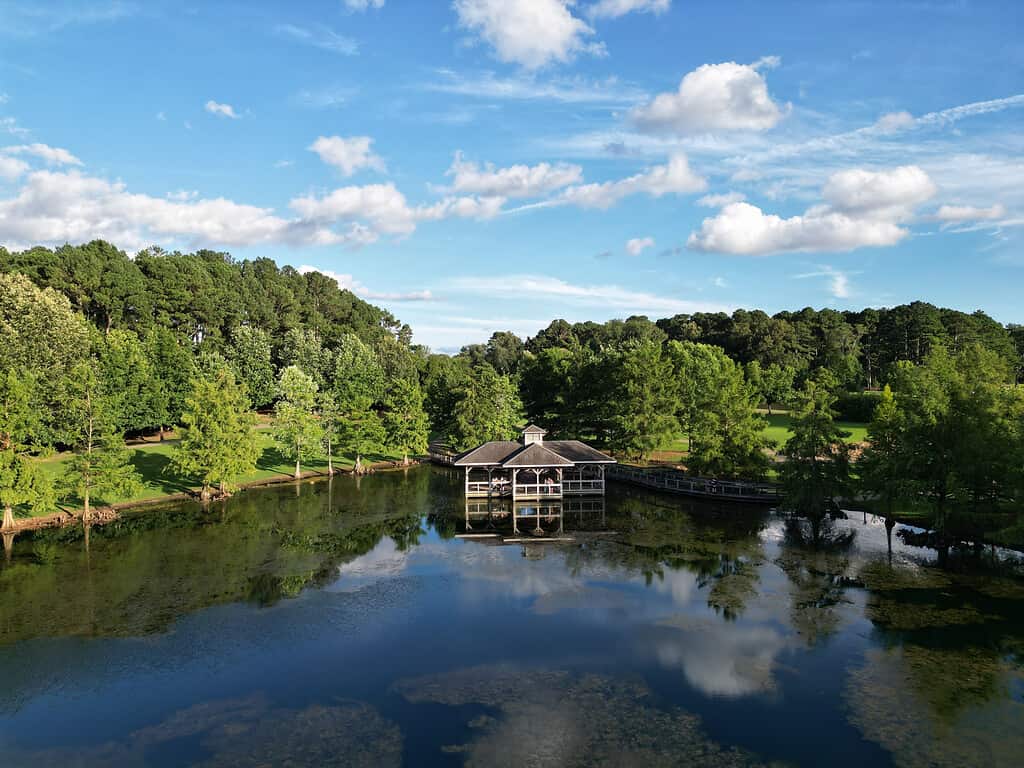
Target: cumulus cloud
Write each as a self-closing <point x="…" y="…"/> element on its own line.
<point x="49" y="155"/>
<point x="722" y="200"/>
<point x="956" y="214"/>
<point x="347" y="155"/>
<point x="676" y="177"/>
<point x="532" y="33"/>
<point x="11" y="167"/>
<point x="613" y="9"/>
<point x="635" y="246"/>
<point x="514" y="181"/>
<point x="221" y="110"/>
<point x="864" y="208"/>
<point x="362" y="5"/>
<point x="57" y="207"/>
<point x="714" y="97"/>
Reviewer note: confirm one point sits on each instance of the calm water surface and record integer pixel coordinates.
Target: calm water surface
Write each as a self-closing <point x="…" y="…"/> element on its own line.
<point x="352" y="623"/>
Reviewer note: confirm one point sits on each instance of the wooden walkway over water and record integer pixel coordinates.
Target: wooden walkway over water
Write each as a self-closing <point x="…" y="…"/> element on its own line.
<point x="675" y="481"/>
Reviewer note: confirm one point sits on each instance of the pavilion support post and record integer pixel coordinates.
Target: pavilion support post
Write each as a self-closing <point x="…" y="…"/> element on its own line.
<point x="467" y="481"/>
<point x="600" y="469"/>
<point x="489" y="484"/>
<point x="515" y="476"/>
<point x="561" y="491"/>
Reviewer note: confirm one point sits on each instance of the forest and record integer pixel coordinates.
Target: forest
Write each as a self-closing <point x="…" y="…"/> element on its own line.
<point x="99" y="346"/>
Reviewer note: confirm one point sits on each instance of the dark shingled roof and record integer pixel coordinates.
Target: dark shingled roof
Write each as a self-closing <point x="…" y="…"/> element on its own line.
<point x="550" y="453"/>
<point x="578" y="452"/>
<point x="536" y="455"/>
<point x="493" y="452"/>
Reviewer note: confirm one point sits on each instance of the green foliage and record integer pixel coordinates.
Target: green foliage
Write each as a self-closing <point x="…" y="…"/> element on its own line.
<point x="880" y="467"/>
<point x="22" y="485"/>
<point x="716" y="408"/>
<point x="217" y="439"/>
<point x="250" y="358"/>
<point x="101" y="464"/>
<point x="641" y="398"/>
<point x="817" y="460"/>
<point x="488" y="408"/>
<point x="857" y="406"/>
<point x="358" y="376"/>
<point x="405" y="421"/>
<point x="296" y="427"/>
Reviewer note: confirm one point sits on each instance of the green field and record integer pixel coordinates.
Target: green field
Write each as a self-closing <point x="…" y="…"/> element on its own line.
<point x="153" y="459"/>
<point x="776" y="430"/>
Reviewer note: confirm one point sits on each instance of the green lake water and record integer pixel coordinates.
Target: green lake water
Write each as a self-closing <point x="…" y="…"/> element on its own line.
<point x="353" y="623"/>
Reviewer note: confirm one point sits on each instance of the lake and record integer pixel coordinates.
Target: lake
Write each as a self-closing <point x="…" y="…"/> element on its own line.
<point x="352" y="622"/>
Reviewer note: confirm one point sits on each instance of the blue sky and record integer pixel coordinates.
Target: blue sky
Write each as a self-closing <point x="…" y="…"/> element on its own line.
<point x="484" y="165"/>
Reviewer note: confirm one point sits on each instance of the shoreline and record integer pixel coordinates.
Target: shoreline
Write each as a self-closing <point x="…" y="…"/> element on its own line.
<point x="111" y="512"/>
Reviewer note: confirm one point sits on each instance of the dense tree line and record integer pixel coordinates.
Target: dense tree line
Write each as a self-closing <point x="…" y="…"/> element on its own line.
<point x="98" y="345"/>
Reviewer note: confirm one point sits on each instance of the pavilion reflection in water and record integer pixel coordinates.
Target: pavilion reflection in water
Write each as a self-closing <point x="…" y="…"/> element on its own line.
<point x="503" y="521"/>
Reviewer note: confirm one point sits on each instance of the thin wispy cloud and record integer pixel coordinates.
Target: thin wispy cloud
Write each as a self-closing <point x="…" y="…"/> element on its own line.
<point x="221" y="110"/>
<point x="488" y="85"/>
<point x="320" y="36"/>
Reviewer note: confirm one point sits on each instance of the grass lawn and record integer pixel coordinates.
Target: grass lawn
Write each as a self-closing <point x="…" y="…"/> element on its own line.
<point x="776" y="430"/>
<point x="152" y="460"/>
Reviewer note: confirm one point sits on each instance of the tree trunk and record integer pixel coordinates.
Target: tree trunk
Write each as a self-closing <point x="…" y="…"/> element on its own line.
<point x="330" y="460"/>
<point x="298" y="470"/>
<point x="223" y="489"/>
<point x="85" y="509"/>
<point x="405" y="459"/>
<point x="204" y="495"/>
<point x="8" y="517"/>
<point x="358" y="468"/>
<point x="161" y="433"/>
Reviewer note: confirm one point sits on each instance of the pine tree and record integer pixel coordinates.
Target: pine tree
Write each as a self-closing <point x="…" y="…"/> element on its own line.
<point x="296" y="428"/>
<point x="817" y="465"/>
<point x="101" y="464"/>
<point x="405" y="421"/>
<point x="217" y="439"/>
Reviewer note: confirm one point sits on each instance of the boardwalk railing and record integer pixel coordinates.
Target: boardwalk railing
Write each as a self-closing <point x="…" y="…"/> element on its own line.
<point x="679" y="482"/>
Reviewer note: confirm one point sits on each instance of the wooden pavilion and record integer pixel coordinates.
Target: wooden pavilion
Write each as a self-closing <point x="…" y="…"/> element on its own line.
<point x="532" y="468"/>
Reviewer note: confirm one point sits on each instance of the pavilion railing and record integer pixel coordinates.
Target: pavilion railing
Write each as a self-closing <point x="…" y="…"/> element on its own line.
<point x="538" y="489"/>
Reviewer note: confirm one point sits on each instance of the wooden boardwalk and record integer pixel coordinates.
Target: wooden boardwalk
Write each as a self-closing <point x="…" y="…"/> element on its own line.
<point x="675" y="481"/>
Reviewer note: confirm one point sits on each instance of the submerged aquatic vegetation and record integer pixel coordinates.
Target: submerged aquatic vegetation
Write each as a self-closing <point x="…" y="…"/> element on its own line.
<point x="238" y="733"/>
<point x="554" y="717"/>
<point x="938" y="707"/>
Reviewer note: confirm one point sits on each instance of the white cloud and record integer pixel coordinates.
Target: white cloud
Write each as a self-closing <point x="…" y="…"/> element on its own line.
<point x="528" y="88"/>
<point x="362" y="5"/>
<point x="544" y="288"/>
<point x="321" y="37"/>
<point x="50" y="155"/>
<point x="838" y="282"/>
<point x="349" y="283"/>
<point x="284" y="164"/>
<point x="514" y="181"/>
<point x="325" y="98"/>
<point x="222" y="110"/>
<point x="532" y="33"/>
<point x="635" y="246"/>
<point x="722" y="200"/>
<point x="11" y="167"/>
<point x="894" y="122"/>
<point x="676" y="177"/>
<point x="714" y="97"/>
<point x="955" y="214"/>
<point x="56" y="207"/>
<point x="865" y="208"/>
<point x="347" y="155"/>
<point x="613" y="9"/>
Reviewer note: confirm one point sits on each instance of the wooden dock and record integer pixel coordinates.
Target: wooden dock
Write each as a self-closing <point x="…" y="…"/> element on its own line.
<point x="675" y="481"/>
